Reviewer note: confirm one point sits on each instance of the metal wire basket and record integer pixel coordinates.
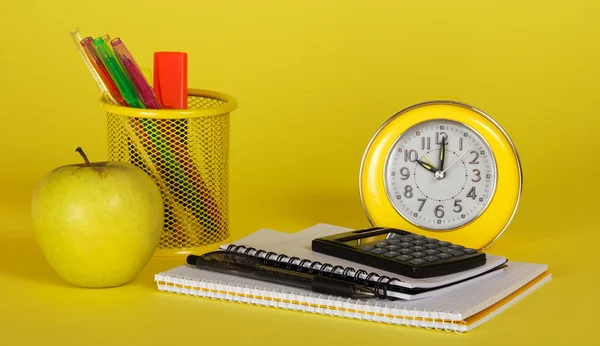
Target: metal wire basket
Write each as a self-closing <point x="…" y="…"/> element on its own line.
<point x="186" y="152"/>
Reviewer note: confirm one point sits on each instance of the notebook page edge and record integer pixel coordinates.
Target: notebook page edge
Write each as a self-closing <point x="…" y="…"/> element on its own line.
<point x="527" y="273"/>
<point x="512" y="301"/>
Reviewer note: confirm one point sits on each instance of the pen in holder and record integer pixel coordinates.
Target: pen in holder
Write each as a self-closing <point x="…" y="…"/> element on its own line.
<point x="191" y="171"/>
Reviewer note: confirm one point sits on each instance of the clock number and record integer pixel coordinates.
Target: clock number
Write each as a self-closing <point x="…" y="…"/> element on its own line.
<point x="410" y="155"/>
<point x="423" y="143"/>
<point x="405" y="173"/>
<point x="457" y="205"/>
<point x="477" y="174"/>
<point x="460" y="140"/>
<point x="439" y="211"/>
<point x="474" y="161"/>
<point x="440" y="134"/>
<point x="472" y="193"/>
<point x="422" y="200"/>
<point x="408" y="191"/>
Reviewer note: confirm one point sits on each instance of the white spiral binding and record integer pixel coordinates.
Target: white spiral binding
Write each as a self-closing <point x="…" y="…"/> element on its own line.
<point x="409" y="315"/>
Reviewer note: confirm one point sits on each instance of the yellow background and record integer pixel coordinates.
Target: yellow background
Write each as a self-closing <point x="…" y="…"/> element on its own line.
<point x="314" y="80"/>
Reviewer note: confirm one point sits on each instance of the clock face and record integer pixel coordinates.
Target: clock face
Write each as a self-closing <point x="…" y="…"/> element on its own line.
<point x="440" y="175"/>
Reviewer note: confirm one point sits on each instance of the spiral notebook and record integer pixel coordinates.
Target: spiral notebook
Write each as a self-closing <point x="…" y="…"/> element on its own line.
<point x="457" y="302"/>
<point x="296" y="249"/>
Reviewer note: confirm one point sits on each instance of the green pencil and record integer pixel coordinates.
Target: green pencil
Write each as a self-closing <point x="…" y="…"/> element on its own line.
<point x="116" y="72"/>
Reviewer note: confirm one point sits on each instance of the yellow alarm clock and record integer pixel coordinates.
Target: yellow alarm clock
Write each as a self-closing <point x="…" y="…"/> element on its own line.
<point x="442" y="169"/>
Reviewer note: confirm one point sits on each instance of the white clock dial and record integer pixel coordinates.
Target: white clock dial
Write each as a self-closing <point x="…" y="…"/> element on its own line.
<point x="440" y="187"/>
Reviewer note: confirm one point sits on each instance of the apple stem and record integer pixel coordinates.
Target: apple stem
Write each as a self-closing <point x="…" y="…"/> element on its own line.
<point x="80" y="151"/>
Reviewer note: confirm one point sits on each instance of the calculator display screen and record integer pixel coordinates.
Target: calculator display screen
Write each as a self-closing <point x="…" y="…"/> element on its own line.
<point x="370" y="239"/>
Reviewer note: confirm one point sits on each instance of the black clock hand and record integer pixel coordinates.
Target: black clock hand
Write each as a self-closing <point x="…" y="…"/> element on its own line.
<point x="427" y="166"/>
<point x="442" y="154"/>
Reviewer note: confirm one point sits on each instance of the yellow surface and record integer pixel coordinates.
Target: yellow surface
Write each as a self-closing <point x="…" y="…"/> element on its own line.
<point x="480" y="232"/>
<point x="314" y="80"/>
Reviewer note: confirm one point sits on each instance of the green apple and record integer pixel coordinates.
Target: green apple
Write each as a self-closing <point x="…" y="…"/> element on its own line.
<point x="98" y="224"/>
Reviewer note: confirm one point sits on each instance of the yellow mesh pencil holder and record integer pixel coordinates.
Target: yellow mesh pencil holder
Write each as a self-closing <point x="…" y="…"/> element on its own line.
<point x="186" y="153"/>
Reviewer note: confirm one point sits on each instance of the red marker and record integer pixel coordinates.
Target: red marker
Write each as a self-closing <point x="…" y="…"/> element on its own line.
<point x="171" y="89"/>
<point x="170" y="79"/>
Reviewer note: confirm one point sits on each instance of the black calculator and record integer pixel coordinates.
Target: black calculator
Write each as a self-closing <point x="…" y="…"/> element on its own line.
<point x="400" y="252"/>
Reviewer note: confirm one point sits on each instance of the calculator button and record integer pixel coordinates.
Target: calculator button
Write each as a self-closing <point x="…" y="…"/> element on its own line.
<point x="444" y="249"/>
<point x="404" y="257"/>
<point x="391" y="254"/>
<point x="381" y="244"/>
<point x="419" y="248"/>
<point x="419" y="242"/>
<point x="431" y="246"/>
<point x="379" y="250"/>
<point x="406" y="245"/>
<point x="469" y="251"/>
<point x="405" y="251"/>
<point x="367" y="247"/>
<point x="392" y="241"/>
<point x="431" y="241"/>
<point x="392" y="247"/>
<point x="456" y="253"/>
<point x="443" y="243"/>
<point x="456" y="247"/>
<point x="431" y="258"/>
<point x="417" y="261"/>
<point x="406" y="238"/>
<point x="418" y="254"/>
<point x="417" y="236"/>
<point x="431" y="251"/>
<point x="444" y="255"/>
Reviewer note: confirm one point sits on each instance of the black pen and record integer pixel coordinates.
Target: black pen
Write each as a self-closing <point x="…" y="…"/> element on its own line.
<point x="254" y="268"/>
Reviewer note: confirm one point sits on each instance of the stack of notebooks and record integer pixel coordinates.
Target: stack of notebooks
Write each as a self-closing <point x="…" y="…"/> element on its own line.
<point x="457" y="302"/>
